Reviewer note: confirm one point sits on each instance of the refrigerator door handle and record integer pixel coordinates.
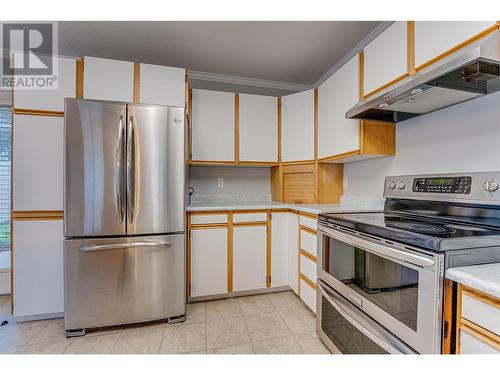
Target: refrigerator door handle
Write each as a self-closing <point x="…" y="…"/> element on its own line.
<point x="119" y="170"/>
<point x="114" y="246"/>
<point x="130" y="170"/>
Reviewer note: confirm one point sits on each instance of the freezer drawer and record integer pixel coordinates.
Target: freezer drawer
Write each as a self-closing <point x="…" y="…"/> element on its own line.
<point x="123" y="280"/>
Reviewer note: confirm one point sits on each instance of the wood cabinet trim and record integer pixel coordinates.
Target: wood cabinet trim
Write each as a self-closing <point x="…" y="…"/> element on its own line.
<point x="388" y="84"/>
<point x="37" y="215"/>
<point x="308" y="255"/>
<point x="309" y="215"/>
<point x="79" y="78"/>
<point x="361" y="78"/>
<point x="137" y="83"/>
<point x="307" y="281"/>
<point x="208" y="226"/>
<point x="483" y="297"/>
<point x="279" y="129"/>
<point x="236" y="128"/>
<point x="37" y="112"/>
<point x="480" y="333"/>
<point x="340" y="156"/>
<point x="307" y="229"/>
<point x="268" y="249"/>
<point x="410" y="47"/>
<point x="458" y="47"/>
<point x="230" y="252"/>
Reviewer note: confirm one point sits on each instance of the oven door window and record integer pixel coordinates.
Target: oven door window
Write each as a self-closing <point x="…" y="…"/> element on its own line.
<point x="347" y="338"/>
<point x="391" y="286"/>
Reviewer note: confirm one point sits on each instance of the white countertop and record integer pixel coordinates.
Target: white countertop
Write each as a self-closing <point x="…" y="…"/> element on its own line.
<point x="485" y="277"/>
<point x="309" y="208"/>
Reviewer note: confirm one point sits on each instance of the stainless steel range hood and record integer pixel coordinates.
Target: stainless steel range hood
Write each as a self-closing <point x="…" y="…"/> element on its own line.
<point x="467" y="74"/>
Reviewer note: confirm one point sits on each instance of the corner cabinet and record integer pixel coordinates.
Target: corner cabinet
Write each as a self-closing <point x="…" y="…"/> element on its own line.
<point x="297" y="127"/>
<point x="212" y="126"/>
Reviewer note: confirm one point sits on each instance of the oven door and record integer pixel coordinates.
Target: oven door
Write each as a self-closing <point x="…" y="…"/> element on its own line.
<point x="397" y="286"/>
<point x="346" y="329"/>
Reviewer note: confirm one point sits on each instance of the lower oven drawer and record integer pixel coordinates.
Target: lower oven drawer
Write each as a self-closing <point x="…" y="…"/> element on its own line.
<point x="346" y="329"/>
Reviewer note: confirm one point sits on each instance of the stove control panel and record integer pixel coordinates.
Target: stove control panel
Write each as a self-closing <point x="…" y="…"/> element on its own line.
<point x="447" y="185"/>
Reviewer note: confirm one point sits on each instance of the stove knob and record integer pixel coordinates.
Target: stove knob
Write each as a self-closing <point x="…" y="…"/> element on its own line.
<point x="490" y="186"/>
<point x="401" y="185"/>
<point x="392" y="185"/>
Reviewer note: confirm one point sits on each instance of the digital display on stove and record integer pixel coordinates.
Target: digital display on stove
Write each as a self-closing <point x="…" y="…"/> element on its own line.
<point x="449" y="185"/>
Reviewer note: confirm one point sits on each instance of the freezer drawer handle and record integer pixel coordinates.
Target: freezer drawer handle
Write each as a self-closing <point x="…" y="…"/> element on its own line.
<point x="114" y="246"/>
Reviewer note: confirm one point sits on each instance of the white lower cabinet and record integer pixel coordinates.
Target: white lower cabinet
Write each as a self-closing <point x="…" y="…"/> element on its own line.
<point x="249" y="257"/>
<point x="293" y="252"/>
<point x="308" y="295"/>
<point x="38" y="268"/>
<point x="279" y="249"/>
<point x="208" y="261"/>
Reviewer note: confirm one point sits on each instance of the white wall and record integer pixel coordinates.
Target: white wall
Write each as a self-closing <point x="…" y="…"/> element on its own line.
<point x="463" y="138"/>
<point x="252" y="182"/>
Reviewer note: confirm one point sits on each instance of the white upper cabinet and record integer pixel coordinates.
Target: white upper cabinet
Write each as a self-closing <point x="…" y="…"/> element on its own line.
<point x="162" y="85"/>
<point x="297" y="126"/>
<point x="336" y="96"/>
<point x="50" y="99"/>
<point x="385" y="58"/>
<point x="212" y="125"/>
<point x="432" y="38"/>
<point x="38" y="163"/>
<point x="258" y="128"/>
<point x="106" y="79"/>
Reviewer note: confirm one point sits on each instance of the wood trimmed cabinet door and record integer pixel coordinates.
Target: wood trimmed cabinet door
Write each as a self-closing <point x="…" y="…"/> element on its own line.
<point x="336" y="134"/>
<point x="163" y="85"/>
<point x="249" y="257"/>
<point x="208" y="255"/>
<point x="435" y="39"/>
<point x="297" y="126"/>
<point x="385" y="58"/>
<point x="258" y="128"/>
<point x="279" y="249"/>
<point x="293" y="252"/>
<point x="106" y="79"/>
<point x="213" y="127"/>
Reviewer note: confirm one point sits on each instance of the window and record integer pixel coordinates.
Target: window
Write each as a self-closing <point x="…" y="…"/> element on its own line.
<point x="5" y="176"/>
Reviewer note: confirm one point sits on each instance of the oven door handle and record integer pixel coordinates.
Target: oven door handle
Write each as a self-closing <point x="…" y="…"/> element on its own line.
<point x="394" y="347"/>
<point x="378" y="249"/>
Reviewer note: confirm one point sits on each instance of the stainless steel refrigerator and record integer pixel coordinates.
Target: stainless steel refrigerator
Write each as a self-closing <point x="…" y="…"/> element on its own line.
<point x="124" y="248"/>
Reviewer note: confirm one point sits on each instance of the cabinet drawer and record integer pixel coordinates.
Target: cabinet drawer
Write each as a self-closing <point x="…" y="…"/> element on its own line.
<point x="209" y="219"/>
<point x="308" y="222"/>
<point x="308" y="268"/>
<point x="481" y="312"/>
<point x="308" y="295"/>
<point x="249" y="217"/>
<point x="470" y="344"/>
<point x="308" y="242"/>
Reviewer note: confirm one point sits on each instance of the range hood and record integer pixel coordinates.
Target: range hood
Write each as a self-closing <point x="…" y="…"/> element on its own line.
<point x="467" y="74"/>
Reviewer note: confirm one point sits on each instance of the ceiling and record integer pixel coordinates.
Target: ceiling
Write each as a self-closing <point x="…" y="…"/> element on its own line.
<point x="292" y="52"/>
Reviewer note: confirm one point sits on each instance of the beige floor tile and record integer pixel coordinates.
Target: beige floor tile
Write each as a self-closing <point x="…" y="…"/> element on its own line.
<point x="257" y="304"/>
<point x="9" y="349"/>
<point x="234" y="349"/>
<point x="195" y="312"/>
<point x="104" y="331"/>
<point x="228" y="332"/>
<point x="281" y="345"/>
<point x="266" y="326"/>
<point x="102" y="344"/>
<point x="141" y="340"/>
<point x="310" y="343"/>
<point x="53" y="346"/>
<point x="299" y="320"/>
<point x="196" y="352"/>
<point x="53" y="330"/>
<point x="184" y="338"/>
<point x="284" y="301"/>
<point x="222" y="309"/>
<point x="18" y="334"/>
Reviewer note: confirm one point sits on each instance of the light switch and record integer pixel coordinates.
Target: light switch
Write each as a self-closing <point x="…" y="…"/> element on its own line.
<point x="220" y="182"/>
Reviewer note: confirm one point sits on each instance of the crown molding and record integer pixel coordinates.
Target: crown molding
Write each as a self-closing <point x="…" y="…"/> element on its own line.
<point x="357" y="49"/>
<point x="244" y="81"/>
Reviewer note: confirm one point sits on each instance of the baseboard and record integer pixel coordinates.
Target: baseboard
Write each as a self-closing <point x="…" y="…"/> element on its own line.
<point x="239" y="294"/>
<point x="28" y="318"/>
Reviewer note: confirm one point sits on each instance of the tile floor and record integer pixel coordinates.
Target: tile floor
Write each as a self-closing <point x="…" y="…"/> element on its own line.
<point x="276" y="323"/>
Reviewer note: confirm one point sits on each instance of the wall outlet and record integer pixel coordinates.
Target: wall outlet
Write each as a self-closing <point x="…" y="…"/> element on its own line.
<point x="220" y="182"/>
<point x="345" y="183"/>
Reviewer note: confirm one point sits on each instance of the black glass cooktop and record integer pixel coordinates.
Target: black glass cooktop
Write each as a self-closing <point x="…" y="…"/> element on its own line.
<point x="423" y="232"/>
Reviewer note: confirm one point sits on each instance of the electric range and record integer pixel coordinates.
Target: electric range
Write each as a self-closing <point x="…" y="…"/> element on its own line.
<point x="381" y="274"/>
